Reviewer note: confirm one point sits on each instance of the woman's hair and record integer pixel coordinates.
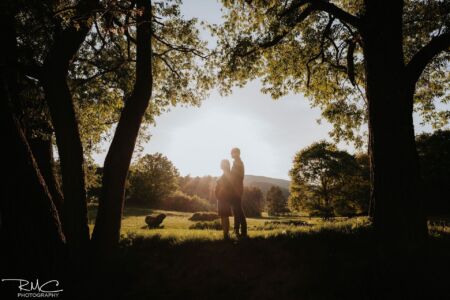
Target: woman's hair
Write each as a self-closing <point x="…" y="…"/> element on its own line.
<point x="225" y="165"/>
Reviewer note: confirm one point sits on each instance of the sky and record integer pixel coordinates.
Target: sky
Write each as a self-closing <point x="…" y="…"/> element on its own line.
<point x="268" y="132"/>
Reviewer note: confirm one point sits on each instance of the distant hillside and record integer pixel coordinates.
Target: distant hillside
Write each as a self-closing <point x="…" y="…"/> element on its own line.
<point x="264" y="183"/>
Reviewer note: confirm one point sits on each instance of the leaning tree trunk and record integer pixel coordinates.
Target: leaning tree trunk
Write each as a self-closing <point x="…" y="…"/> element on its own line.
<point x="32" y="241"/>
<point x="43" y="154"/>
<point x="107" y="226"/>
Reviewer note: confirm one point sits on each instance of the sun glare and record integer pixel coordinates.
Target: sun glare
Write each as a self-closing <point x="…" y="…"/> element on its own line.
<point x="198" y="147"/>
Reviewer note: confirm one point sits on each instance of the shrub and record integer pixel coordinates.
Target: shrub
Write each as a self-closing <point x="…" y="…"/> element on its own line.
<point x="204" y="217"/>
<point x="215" y="225"/>
<point x="181" y="202"/>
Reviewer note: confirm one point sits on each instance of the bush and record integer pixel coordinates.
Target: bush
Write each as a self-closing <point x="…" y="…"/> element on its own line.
<point x="215" y="225"/>
<point x="204" y="217"/>
<point x="271" y="225"/>
<point x="181" y="202"/>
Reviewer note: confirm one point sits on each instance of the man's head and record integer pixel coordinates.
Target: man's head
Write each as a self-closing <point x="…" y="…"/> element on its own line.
<point x="235" y="153"/>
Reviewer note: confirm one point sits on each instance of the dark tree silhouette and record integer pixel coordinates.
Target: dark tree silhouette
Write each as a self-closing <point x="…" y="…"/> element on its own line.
<point x="32" y="239"/>
<point x="43" y="154"/>
<point x="434" y="158"/>
<point x="54" y="74"/>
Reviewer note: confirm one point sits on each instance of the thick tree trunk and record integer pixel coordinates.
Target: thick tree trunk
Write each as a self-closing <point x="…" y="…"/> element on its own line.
<point x="64" y="120"/>
<point x="107" y="226"/>
<point x="32" y="241"/>
<point x="70" y="152"/>
<point x="397" y="209"/>
<point x="43" y="154"/>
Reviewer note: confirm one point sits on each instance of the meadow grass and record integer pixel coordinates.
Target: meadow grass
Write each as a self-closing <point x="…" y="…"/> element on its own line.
<point x="175" y="226"/>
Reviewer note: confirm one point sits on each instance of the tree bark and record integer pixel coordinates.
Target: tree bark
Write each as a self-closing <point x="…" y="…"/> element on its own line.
<point x="64" y="120"/>
<point x="397" y="209"/>
<point x="43" y="154"/>
<point x="70" y="152"/>
<point x="107" y="226"/>
<point x="31" y="236"/>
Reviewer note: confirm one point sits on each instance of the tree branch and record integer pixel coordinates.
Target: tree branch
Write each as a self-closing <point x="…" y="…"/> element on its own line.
<point x="335" y="11"/>
<point x="325" y="6"/>
<point x="290" y="21"/>
<point x="421" y="59"/>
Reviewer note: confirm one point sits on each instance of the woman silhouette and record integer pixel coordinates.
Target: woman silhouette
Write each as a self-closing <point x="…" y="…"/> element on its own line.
<point x="224" y="194"/>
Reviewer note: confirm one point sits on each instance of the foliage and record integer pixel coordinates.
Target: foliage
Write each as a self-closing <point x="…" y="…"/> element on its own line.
<point x="276" y="201"/>
<point x="152" y="179"/>
<point x="326" y="181"/>
<point x="434" y="158"/>
<point x="102" y="74"/>
<point x="204" y="217"/>
<point x="252" y="201"/>
<point x="179" y="201"/>
<point x="213" y="225"/>
<point x="296" y="46"/>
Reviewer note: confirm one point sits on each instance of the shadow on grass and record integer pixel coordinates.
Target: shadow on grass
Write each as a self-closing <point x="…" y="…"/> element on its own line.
<point x="323" y="265"/>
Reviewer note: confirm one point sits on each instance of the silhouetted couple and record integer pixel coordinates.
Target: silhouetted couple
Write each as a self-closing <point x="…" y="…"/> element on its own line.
<point x="229" y="189"/>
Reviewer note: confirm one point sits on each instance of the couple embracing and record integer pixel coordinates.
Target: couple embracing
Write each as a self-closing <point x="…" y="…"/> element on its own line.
<point x="229" y="189"/>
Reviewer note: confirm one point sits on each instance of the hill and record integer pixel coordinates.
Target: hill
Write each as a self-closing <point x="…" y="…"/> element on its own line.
<point x="264" y="183"/>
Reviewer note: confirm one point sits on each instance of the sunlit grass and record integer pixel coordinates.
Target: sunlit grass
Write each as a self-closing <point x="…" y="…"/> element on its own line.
<point x="176" y="226"/>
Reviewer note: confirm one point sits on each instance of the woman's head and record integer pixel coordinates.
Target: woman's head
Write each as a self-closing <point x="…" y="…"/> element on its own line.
<point x="225" y="165"/>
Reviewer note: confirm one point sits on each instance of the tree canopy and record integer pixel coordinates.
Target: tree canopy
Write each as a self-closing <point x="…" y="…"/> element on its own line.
<point x="102" y="73"/>
<point x="326" y="181"/>
<point x="314" y="48"/>
<point x="152" y="178"/>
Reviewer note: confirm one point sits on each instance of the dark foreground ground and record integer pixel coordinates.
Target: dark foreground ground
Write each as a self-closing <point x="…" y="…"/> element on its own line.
<point x="325" y="265"/>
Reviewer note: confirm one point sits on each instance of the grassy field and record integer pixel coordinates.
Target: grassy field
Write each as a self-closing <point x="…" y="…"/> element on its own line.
<point x="176" y="225"/>
<point x="316" y="260"/>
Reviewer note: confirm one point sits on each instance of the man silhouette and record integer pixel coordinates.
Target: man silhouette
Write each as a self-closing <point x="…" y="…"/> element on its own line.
<point x="237" y="180"/>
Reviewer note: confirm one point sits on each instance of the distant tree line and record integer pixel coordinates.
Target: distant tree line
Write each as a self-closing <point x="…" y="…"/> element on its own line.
<point x="325" y="181"/>
<point x="154" y="182"/>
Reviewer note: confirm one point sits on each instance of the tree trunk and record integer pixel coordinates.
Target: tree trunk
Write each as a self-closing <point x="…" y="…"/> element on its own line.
<point x="31" y="236"/>
<point x="107" y="226"/>
<point x="70" y="152"/>
<point x="43" y="154"/>
<point x="64" y="120"/>
<point x="397" y="209"/>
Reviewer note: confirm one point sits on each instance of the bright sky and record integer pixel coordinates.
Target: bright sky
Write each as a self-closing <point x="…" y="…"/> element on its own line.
<point x="268" y="132"/>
